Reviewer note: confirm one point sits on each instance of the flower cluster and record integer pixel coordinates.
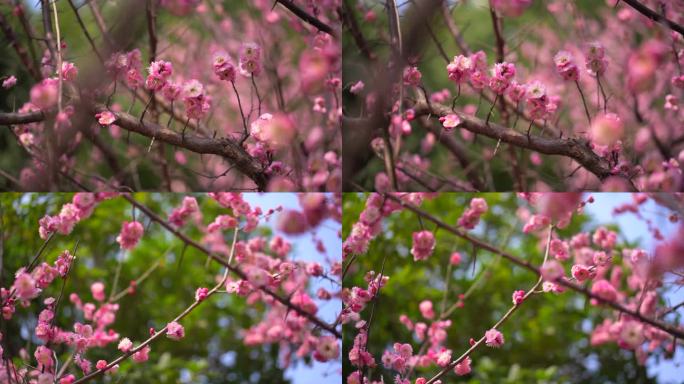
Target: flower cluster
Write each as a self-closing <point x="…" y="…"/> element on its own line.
<point x="423" y="245"/>
<point x="131" y="232"/>
<point x="471" y="216"/>
<point x="250" y="60"/>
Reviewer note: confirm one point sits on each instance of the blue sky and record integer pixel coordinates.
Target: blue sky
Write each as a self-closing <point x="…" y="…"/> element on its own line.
<point x="667" y="371"/>
<point x="304" y="249"/>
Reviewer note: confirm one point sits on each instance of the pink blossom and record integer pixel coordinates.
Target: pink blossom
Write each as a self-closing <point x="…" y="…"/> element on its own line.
<point x="327" y="348"/>
<point x="250" y="59"/>
<point x="494" y="338"/>
<point x="175" y="331"/>
<point x="606" y="129"/>
<point x="423" y="245"/>
<point x="105" y="118"/>
<point x="201" y="293"/>
<point x="450" y="121"/>
<point x="98" y="291"/>
<point x="459" y="69"/>
<point x="44" y="94"/>
<point x="9" y="82"/>
<point x="631" y="335"/>
<point x="463" y="368"/>
<point x="518" y="297"/>
<point x="536" y="223"/>
<point x="426" y="309"/>
<point x="357" y="87"/>
<point x="444" y="358"/>
<point x="565" y="66"/>
<point x="605" y="290"/>
<point x="69" y="71"/>
<point x="44" y="356"/>
<point x="412" y="76"/>
<point x="68" y="379"/>
<point x="25" y="286"/>
<point x="559" y="249"/>
<point x="101" y="364"/>
<point x="551" y="270"/>
<point x="292" y="222"/>
<point x="595" y="59"/>
<point x="224" y="67"/>
<point x="455" y="258"/>
<point x="142" y="355"/>
<point x="580" y="272"/>
<point x="125" y="345"/>
<point x="131" y="232"/>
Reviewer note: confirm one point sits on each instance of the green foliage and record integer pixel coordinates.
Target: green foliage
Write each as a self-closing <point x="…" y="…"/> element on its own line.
<point x="212" y="351"/>
<point x="547" y="339"/>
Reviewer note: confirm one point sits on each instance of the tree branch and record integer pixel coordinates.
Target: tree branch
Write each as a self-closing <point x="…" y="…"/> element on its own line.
<point x="305" y="16"/>
<point x="672" y="330"/>
<point x="653" y="15"/>
<point x="286" y="302"/>
<point x="574" y="148"/>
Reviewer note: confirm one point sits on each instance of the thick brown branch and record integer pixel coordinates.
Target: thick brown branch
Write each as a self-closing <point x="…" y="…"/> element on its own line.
<point x="198" y="144"/>
<point x="13" y="118"/>
<point x="574" y="148"/>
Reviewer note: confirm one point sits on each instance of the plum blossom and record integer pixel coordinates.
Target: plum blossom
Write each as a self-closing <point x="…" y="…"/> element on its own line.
<point x="450" y="121"/>
<point x="131" y="232"/>
<point x="463" y="368"/>
<point x="125" y="345"/>
<point x="175" y="331"/>
<point x="494" y="338"/>
<point x="518" y="297"/>
<point x="9" y="82"/>
<point x="105" y="118"/>
<point x="423" y="245"/>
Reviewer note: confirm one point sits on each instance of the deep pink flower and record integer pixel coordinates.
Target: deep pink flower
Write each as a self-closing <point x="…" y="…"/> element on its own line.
<point x="518" y="297"/>
<point x="201" y="293"/>
<point x="580" y="272"/>
<point x="101" y="364"/>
